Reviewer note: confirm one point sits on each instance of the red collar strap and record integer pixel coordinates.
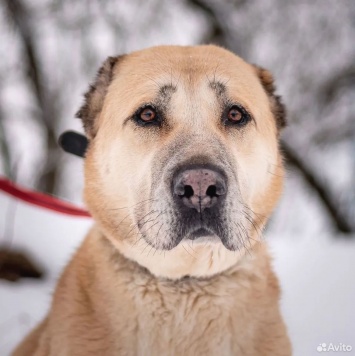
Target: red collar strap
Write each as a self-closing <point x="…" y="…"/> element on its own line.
<point x="40" y="199"/>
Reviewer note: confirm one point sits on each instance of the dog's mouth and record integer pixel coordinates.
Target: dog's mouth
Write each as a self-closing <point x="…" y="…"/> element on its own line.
<point x="199" y="233"/>
<point x="166" y="229"/>
<point x="206" y="233"/>
<point x="202" y="235"/>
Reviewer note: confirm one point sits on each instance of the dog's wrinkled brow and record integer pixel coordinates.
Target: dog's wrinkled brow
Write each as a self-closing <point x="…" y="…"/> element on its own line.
<point x="165" y="93"/>
<point x="219" y="88"/>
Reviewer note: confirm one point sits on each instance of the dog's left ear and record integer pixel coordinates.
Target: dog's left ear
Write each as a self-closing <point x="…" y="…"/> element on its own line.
<point x="74" y="142"/>
<point x="95" y="96"/>
<point x="277" y="106"/>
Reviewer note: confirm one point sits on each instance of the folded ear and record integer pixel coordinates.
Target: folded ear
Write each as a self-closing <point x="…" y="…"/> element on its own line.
<point x="94" y="97"/>
<point x="277" y="107"/>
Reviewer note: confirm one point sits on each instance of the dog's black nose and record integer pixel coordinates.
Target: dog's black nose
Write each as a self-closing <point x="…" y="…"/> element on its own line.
<point x="199" y="188"/>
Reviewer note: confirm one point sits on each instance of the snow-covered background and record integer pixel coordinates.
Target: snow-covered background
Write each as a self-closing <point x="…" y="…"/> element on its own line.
<point x="51" y="49"/>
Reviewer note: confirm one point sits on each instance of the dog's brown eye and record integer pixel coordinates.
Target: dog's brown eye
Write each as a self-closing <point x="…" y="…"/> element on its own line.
<point x="147" y="115"/>
<point x="236" y="115"/>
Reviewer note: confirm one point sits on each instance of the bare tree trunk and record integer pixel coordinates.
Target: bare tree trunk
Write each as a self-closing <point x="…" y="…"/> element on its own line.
<point x="338" y="218"/>
<point x="21" y="20"/>
<point x="4" y="146"/>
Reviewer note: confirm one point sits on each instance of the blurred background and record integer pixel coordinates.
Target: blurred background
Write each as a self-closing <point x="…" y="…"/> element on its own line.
<point x="50" y="51"/>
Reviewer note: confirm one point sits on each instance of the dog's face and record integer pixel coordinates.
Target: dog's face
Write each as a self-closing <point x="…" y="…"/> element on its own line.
<point x="183" y="152"/>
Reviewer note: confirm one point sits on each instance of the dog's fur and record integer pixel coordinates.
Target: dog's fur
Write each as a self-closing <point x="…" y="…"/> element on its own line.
<point x="137" y="286"/>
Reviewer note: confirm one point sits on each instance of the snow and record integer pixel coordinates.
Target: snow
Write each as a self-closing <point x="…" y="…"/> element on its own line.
<point x="51" y="238"/>
<point x="316" y="274"/>
<point x="317" y="278"/>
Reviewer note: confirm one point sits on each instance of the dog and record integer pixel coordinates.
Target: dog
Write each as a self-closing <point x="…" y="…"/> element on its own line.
<point x="182" y="171"/>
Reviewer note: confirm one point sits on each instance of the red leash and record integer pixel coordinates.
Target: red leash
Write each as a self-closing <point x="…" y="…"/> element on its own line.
<point x="40" y="199"/>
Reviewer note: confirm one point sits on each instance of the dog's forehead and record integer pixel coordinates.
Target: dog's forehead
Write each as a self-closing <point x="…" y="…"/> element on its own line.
<point x="186" y="67"/>
<point x="189" y="76"/>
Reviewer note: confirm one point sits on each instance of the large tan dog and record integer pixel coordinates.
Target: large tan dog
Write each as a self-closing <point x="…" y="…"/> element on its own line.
<point x="182" y="172"/>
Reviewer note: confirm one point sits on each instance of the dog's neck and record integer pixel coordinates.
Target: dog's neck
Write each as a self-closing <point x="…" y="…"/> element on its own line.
<point x="190" y="259"/>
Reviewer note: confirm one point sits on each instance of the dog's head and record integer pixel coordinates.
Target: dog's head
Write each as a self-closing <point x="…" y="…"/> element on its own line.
<point x="183" y="156"/>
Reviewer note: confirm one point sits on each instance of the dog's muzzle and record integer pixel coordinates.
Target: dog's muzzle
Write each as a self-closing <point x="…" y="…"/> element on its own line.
<point x="199" y="193"/>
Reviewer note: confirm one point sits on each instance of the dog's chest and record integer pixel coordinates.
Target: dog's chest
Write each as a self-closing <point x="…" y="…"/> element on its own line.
<point x="192" y="318"/>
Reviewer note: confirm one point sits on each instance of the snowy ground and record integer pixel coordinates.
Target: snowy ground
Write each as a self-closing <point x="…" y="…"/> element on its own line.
<point x="316" y="275"/>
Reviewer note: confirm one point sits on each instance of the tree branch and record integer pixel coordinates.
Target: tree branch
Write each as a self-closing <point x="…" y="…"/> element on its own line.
<point x="4" y="147"/>
<point x="338" y="219"/>
<point x="18" y="14"/>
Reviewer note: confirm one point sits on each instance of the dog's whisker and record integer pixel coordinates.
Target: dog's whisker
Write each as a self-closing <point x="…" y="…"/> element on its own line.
<point x="140" y="228"/>
<point x="137" y="241"/>
<point x="253" y="212"/>
<point x="188" y="252"/>
<point x="147" y="244"/>
<point x="190" y="245"/>
<point x="150" y="227"/>
<point x="150" y="220"/>
<point x="156" y="237"/>
<point x="255" y="225"/>
<point x="245" y="239"/>
<point x="258" y="228"/>
<point x="136" y="225"/>
<point x="151" y="248"/>
<point x="131" y="206"/>
<point x="119" y="224"/>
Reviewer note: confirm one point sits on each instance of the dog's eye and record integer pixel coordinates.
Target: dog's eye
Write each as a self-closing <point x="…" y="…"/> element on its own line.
<point x="147" y="115"/>
<point x="237" y="115"/>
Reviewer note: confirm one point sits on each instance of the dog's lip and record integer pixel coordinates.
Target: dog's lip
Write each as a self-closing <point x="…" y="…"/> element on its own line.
<point x="200" y="232"/>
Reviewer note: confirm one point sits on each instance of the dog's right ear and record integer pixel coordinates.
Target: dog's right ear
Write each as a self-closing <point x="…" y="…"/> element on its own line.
<point x="94" y="97"/>
<point x="277" y="106"/>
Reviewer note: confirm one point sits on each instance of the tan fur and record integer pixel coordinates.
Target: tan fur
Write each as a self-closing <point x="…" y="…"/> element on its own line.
<point x="126" y="291"/>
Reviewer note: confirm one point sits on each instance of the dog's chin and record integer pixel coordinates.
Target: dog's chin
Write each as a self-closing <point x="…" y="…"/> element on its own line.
<point x="202" y="258"/>
<point x="198" y="237"/>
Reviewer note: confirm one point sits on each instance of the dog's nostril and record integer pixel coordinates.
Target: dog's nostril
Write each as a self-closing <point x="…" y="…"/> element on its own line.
<point x="188" y="191"/>
<point x="212" y="191"/>
<point x="184" y="191"/>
